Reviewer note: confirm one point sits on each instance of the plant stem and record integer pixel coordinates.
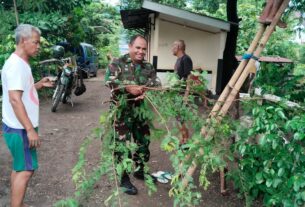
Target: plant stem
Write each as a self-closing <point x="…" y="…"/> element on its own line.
<point x="152" y="104"/>
<point x="113" y="166"/>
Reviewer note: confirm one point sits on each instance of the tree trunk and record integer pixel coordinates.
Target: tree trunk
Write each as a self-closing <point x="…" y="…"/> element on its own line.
<point x="16" y="12"/>
<point x="230" y="62"/>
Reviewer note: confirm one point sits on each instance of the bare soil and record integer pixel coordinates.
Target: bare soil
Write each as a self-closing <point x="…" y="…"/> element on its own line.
<point x="63" y="132"/>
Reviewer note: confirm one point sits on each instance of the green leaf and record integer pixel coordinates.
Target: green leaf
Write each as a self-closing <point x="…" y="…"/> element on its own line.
<point x="251" y="132"/>
<point x="281" y="172"/>
<point x="119" y="169"/>
<point x="298" y="136"/>
<point x="288" y="203"/>
<point x="263" y="140"/>
<point x="259" y="178"/>
<point x="269" y="183"/>
<point x="276" y="182"/>
<point x="296" y="185"/>
<point x="282" y="115"/>
<point x="303" y="195"/>
<point x="255" y="111"/>
<point x="242" y="149"/>
<point x="274" y="144"/>
<point x="269" y="108"/>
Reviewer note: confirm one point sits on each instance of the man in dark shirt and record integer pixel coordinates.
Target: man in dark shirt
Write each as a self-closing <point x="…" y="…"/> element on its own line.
<point x="183" y="67"/>
<point x="184" y="64"/>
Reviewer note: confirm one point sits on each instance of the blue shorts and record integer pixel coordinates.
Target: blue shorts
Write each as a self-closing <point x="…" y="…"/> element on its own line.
<point x="24" y="157"/>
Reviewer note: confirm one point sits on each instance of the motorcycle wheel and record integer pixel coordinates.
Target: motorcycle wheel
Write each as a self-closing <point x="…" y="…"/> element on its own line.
<point x="57" y="96"/>
<point x="65" y="99"/>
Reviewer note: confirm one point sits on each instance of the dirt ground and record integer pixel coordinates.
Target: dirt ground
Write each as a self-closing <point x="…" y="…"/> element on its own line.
<point x="63" y="132"/>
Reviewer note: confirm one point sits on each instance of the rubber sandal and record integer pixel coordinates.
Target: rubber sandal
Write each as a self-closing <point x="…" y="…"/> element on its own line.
<point x="157" y="174"/>
<point x="160" y="177"/>
<point x="162" y="180"/>
<point x="167" y="175"/>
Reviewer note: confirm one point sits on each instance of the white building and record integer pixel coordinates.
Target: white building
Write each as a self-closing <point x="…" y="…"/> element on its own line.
<point x="204" y="36"/>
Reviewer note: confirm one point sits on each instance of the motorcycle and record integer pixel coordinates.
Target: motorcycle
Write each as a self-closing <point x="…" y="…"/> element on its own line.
<point x="68" y="78"/>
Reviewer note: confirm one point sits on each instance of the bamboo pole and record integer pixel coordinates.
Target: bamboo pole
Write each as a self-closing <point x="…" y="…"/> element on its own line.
<point x="240" y="80"/>
<point x="250" y="64"/>
<point x="238" y="71"/>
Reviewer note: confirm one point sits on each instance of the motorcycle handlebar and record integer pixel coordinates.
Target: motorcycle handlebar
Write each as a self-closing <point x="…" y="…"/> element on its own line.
<point x="63" y="61"/>
<point x="54" y="60"/>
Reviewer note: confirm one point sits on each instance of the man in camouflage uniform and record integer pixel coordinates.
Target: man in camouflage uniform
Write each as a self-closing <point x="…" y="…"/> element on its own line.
<point x="130" y="75"/>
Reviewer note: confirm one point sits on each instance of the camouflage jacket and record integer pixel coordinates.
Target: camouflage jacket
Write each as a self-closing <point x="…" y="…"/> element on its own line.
<point x="121" y="71"/>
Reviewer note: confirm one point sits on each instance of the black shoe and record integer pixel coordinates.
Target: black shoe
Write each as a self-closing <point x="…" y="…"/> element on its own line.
<point x="140" y="175"/>
<point x="129" y="188"/>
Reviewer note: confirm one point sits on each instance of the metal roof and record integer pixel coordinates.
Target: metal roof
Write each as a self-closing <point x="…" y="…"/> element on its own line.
<point x="139" y="18"/>
<point x="135" y="18"/>
<point x="186" y="18"/>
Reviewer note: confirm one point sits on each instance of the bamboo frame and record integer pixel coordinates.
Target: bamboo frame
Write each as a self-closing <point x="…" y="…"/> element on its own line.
<point x="238" y="71"/>
<point x="228" y="95"/>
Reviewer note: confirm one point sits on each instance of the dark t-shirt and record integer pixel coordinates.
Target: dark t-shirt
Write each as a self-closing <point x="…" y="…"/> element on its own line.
<point x="184" y="66"/>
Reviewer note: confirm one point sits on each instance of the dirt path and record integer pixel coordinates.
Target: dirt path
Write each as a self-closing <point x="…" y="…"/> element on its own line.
<point x="62" y="133"/>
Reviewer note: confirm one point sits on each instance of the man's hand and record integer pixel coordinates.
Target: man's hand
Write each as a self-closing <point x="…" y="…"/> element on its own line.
<point x="45" y="82"/>
<point x="135" y="89"/>
<point x="141" y="97"/>
<point x="34" y="141"/>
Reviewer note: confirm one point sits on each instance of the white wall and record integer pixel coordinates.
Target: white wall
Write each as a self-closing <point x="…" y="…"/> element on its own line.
<point x="203" y="47"/>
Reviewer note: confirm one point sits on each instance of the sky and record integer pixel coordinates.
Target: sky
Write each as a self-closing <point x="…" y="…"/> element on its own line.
<point x="112" y="2"/>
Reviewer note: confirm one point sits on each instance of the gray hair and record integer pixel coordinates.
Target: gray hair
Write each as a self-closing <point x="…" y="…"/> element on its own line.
<point x="25" y="31"/>
<point x="181" y="44"/>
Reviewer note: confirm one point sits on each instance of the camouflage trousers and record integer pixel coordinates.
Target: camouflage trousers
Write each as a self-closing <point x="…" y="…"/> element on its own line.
<point x="128" y="127"/>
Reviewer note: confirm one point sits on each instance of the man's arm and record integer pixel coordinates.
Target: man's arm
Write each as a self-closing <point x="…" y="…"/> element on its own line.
<point x="15" y="98"/>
